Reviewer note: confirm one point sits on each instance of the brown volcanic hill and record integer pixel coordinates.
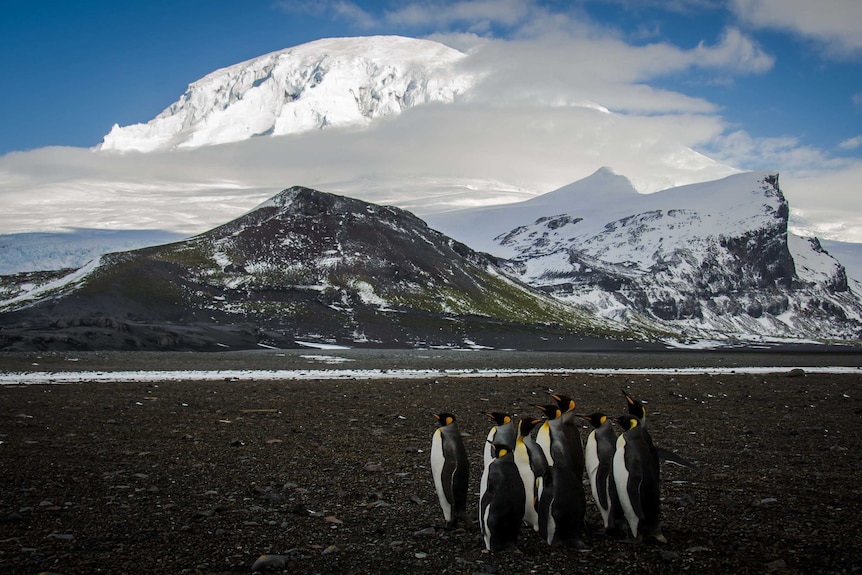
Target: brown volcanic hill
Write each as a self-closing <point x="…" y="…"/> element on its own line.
<point x="305" y="265"/>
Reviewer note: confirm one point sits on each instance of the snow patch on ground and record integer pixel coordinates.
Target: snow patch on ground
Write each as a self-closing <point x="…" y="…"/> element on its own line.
<point x="334" y="359"/>
<point x="32" y="378"/>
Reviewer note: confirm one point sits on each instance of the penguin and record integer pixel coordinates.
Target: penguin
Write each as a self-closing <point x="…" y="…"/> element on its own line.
<point x="560" y="507"/>
<point x="450" y="469"/>
<point x="599" y="461"/>
<point x="560" y="491"/>
<point x="570" y="423"/>
<point x="537" y="456"/>
<point x="501" y="501"/>
<point x="637" y="409"/>
<point x="503" y="431"/>
<point x="531" y="463"/>
<point x="550" y="434"/>
<point x="636" y="473"/>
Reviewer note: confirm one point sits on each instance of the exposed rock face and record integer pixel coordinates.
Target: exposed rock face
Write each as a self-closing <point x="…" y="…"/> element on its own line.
<point x="714" y="269"/>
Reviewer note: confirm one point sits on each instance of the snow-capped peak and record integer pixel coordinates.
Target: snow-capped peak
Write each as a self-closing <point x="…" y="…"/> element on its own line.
<point x="604" y="186"/>
<point x="330" y="82"/>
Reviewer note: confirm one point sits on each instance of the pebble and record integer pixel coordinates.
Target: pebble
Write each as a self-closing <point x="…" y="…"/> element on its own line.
<point x="269" y="562"/>
<point x="61" y="536"/>
<point x="669" y="556"/>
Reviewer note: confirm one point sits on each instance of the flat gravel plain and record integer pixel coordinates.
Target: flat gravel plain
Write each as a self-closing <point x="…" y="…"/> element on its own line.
<point x="333" y="476"/>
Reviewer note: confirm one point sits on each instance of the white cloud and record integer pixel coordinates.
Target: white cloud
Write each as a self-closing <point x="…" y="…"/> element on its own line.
<point x="534" y="148"/>
<point x="827" y="203"/>
<point x="578" y="68"/>
<point x="835" y="23"/>
<point x="741" y="149"/>
<point x="851" y="143"/>
<point x="736" y="52"/>
<point x="477" y="14"/>
<point x="338" y="9"/>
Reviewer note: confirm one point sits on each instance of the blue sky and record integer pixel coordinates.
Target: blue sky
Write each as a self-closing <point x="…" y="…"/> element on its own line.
<point x="753" y="84"/>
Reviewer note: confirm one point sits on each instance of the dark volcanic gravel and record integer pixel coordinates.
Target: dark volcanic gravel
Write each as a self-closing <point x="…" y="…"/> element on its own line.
<point x="334" y="476"/>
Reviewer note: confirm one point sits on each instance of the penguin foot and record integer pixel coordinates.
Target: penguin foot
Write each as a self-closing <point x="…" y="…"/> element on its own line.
<point x="577" y="544"/>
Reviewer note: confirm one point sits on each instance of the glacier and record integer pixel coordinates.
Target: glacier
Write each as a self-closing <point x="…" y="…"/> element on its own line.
<point x="329" y="82"/>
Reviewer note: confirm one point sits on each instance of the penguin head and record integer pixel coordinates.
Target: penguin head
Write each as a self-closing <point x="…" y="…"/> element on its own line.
<point x="628" y="421"/>
<point x="596" y="419"/>
<point x="564" y="402"/>
<point x="499" y="450"/>
<point x="636" y="408"/>
<point x="444" y="418"/>
<point x="551" y="411"/>
<point x="499" y="418"/>
<point x="525" y="426"/>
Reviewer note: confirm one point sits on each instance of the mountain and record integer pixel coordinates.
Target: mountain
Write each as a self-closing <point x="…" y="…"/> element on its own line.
<point x="713" y="260"/>
<point x="305" y="266"/>
<point x="423" y="126"/>
<point x="330" y="82"/>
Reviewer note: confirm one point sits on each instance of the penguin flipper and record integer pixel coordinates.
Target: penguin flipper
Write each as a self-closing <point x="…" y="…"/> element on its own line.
<point x="455" y="479"/>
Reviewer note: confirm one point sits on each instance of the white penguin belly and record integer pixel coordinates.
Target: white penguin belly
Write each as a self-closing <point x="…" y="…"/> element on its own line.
<point x="522" y="460"/>
<point x="591" y="462"/>
<point x="621" y="477"/>
<point x="437" y="461"/>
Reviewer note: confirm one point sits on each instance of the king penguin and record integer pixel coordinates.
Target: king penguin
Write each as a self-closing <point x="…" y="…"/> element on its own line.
<point x="501" y="501"/>
<point x="636" y="407"/>
<point x="531" y="464"/>
<point x="503" y="431"/>
<point x="636" y="473"/>
<point x="599" y="460"/>
<point x="550" y="437"/>
<point x="450" y="469"/>
<point x="569" y="423"/>
<point x="561" y="500"/>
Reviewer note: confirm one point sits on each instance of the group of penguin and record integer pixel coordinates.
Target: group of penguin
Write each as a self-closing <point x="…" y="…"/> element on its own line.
<point x="537" y="478"/>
